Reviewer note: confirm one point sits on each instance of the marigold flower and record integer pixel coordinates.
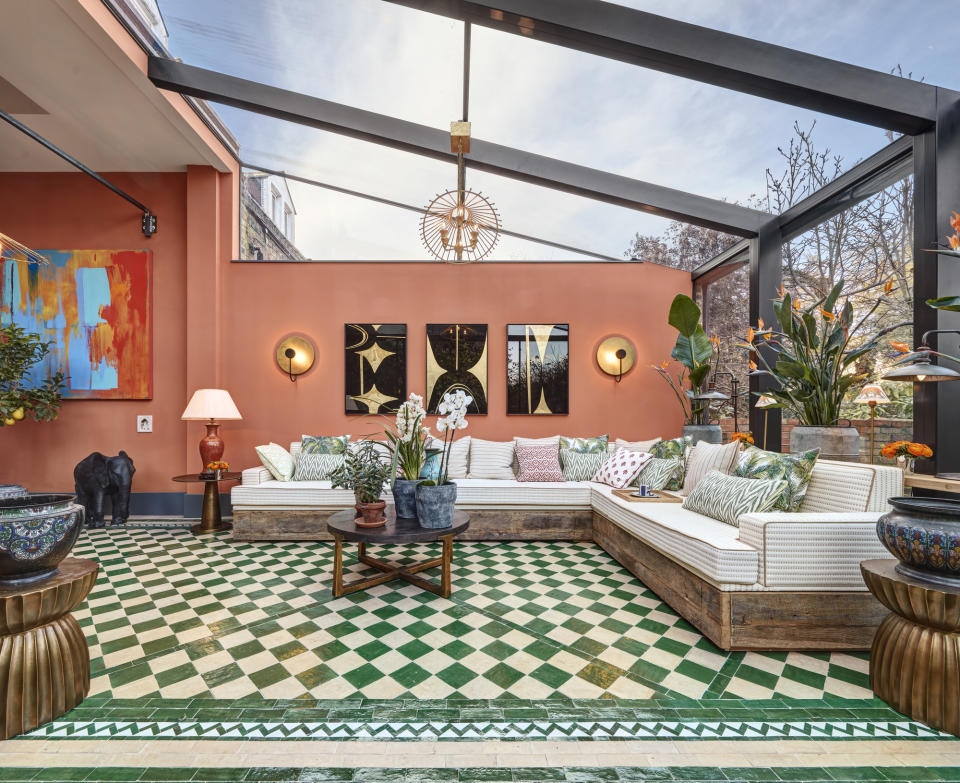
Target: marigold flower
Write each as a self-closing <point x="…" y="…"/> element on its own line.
<point x="916" y="449"/>
<point x="927" y="451"/>
<point x="743" y="437"/>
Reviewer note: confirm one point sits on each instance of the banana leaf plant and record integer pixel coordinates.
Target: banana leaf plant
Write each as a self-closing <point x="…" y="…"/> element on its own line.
<point x="813" y="354"/>
<point x="694" y="352"/>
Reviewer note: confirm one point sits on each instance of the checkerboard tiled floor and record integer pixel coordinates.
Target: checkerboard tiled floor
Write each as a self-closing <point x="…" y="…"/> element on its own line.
<point x="174" y="616"/>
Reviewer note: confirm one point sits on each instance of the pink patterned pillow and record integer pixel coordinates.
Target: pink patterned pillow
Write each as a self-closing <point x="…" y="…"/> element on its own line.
<point x="538" y="462"/>
<point x="622" y="467"/>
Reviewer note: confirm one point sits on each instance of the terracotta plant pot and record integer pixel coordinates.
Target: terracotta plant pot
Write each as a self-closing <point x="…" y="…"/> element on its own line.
<point x="371" y="514"/>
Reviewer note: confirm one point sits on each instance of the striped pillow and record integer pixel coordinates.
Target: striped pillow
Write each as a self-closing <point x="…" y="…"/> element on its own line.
<point x="317" y="467"/>
<point x="459" y="455"/>
<point x="727" y="498"/>
<point x="490" y="459"/>
<point x="579" y="466"/>
<point x="706" y="457"/>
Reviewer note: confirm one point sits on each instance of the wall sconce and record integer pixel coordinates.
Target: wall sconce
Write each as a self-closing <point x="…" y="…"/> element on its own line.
<point x="615" y="356"/>
<point x="295" y="355"/>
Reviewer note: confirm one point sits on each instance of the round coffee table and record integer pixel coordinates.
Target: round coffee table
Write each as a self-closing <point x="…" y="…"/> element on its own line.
<point x="210" y="518"/>
<point x="398" y="530"/>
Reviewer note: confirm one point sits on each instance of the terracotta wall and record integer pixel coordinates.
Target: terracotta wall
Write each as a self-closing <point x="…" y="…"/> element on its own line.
<point x="263" y="302"/>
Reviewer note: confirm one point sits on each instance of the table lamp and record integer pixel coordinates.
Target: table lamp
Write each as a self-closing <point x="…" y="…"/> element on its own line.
<point x="871" y="394"/>
<point x="208" y="405"/>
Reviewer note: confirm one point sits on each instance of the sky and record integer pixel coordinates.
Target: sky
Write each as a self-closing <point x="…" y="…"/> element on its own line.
<point x="534" y="96"/>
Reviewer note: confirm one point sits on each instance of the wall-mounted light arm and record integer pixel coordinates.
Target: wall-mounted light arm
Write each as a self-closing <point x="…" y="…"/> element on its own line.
<point x="290" y="353"/>
<point x="621" y="355"/>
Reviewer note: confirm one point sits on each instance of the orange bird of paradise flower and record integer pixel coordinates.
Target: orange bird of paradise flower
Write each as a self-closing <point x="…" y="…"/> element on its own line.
<point x="955" y="221"/>
<point x="827" y="314"/>
<point x="899" y="347"/>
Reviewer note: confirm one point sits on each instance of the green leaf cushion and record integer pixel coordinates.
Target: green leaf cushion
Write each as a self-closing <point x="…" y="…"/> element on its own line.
<point x="324" y="444"/>
<point x="657" y="473"/>
<point x="317" y="467"/>
<point x="727" y="498"/>
<point x="795" y="469"/>
<point x="586" y="445"/>
<point x="277" y="460"/>
<point x="580" y="466"/>
<point x="677" y="448"/>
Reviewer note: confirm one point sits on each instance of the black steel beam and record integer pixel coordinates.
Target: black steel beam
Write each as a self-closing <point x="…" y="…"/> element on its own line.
<point x="766" y="275"/>
<point x="433" y="143"/>
<point x="710" y="56"/>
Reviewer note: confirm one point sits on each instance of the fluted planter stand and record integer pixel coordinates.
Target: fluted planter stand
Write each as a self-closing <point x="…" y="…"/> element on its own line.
<point x="44" y="660"/>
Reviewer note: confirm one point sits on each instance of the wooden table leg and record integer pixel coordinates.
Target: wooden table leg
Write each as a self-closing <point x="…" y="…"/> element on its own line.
<point x="447" y="557"/>
<point x="337" y="566"/>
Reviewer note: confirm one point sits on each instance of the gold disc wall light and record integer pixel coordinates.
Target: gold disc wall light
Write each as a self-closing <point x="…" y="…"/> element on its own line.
<point x="616" y="355"/>
<point x="295" y="355"/>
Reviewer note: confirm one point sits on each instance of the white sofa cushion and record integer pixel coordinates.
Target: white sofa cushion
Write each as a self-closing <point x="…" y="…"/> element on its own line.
<point x="297" y="494"/>
<point x="805" y="551"/>
<point x="491" y="459"/>
<point x="707" y="546"/>
<point x="543" y="494"/>
<point x="851" y="486"/>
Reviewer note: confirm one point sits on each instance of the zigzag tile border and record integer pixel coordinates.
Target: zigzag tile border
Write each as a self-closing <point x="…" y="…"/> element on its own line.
<point x="489" y="730"/>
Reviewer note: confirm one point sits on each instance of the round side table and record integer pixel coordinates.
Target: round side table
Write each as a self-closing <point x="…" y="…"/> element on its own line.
<point x="915" y="658"/>
<point x="44" y="659"/>
<point x="210" y="519"/>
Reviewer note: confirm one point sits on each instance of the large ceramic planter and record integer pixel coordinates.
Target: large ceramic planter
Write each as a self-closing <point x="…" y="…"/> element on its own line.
<point x="12" y="491"/>
<point x="435" y="505"/>
<point x="711" y="433"/>
<point x="405" y="497"/>
<point x="838" y="443"/>
<point x="36" y="533"/>
<point x="924" y="535"/>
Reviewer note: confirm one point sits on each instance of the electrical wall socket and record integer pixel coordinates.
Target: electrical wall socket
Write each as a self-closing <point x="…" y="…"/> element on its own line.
<point x="145" y="423"/>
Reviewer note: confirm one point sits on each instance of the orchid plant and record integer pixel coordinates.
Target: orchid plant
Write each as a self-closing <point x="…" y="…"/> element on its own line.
<point x="408" y="439"/>
<point x="452" y="412"/>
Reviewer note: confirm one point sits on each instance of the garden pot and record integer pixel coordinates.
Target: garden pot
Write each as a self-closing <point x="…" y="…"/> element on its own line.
<point x="924" y="535"/>
<point x="405" y="497"/>
<point x="371" y="514"/>
<point x="838" y="443"/>
<point x="711" y="433"/>
<point x="36" y="532"/>
<point x="435" y="505"/>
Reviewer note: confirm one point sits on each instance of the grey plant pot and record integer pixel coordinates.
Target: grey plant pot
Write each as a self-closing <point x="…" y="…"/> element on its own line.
<point x="405" y="497"/>
<point x="838" y="443"/>
<point x="435" y="505"/>
<point x="711" y="433"/>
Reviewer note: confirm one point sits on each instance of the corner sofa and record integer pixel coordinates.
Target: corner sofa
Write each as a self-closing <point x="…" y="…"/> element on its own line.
<point x="779" y="581"/>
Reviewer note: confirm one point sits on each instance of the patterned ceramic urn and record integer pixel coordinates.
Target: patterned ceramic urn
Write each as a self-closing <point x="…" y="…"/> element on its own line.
<point x="36" y="533"/>
<point x="924" y="535"/>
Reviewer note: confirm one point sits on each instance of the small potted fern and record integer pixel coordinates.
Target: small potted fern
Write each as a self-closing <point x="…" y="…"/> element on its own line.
<point x="365" y="471"/>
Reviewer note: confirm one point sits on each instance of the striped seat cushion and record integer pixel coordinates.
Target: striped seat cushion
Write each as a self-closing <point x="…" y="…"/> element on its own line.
<point x="490" y="459"/>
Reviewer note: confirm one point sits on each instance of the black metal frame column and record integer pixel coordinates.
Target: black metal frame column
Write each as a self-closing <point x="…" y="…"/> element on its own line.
<point x="766" y="276"/>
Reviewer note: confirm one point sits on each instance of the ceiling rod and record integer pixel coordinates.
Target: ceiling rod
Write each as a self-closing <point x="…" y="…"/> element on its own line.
<point x="421" y="210"/>
<point x="148" y="223"/>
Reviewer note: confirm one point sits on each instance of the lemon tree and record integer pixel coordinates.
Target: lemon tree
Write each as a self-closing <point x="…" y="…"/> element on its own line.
<point x="19" y="352"/>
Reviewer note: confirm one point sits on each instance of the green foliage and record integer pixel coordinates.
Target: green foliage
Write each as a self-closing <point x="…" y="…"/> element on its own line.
<point x="694" y="352"/>
<point x="364" y="471"/>
<point x="19" y="351"/>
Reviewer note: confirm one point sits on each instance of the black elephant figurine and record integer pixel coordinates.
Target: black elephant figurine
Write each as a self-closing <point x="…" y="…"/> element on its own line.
<point x="98" y="475"/>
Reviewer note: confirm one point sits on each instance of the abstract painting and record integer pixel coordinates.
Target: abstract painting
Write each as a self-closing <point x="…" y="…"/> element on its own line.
<point x="457" y="359"/>
<point x="538" y="368"/>
<point x="375" y="367"/>
<point x="95" y="307"/>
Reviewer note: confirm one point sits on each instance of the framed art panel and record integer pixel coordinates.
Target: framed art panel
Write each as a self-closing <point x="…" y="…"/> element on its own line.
<point x="375" y="367"/>
<point x="538" y="369"/>
<point x="457" y="359"/>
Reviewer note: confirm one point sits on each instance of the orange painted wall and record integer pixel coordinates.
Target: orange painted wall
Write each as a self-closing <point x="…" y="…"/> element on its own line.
<point x="264" y="302"/>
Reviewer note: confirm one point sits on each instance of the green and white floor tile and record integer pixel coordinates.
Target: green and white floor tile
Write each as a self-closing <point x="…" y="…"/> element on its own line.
<point x="202" y="638"/>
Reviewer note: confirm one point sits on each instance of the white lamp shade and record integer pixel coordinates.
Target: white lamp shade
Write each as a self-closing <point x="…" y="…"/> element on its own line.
<point x="765" y="401"/>
<point x="211" y="404"/>
<point x="871" y="393"/>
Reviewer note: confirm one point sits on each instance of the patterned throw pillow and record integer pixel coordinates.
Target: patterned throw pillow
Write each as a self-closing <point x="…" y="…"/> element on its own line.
<point x="578" y="466"/>
<point x="705" y="457"/>
<point x="678" y="448"/>
<point x="277" y="460"/>
<point x="491" y="459"/>
<point x="538" y="462"/>
<point x="324" y="444"/>
<point x="727" y="498"/>
<point x="657" y="473"/>
<point x="585" y="445"/>
<point x="621" y="468"/>
<point x="316" y="467"/>
<point x="795" y="469"/>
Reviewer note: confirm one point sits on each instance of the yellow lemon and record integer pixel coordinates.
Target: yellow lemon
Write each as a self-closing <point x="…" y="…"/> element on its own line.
<point x="18" y="414"/>
<point x="9" y="422"/>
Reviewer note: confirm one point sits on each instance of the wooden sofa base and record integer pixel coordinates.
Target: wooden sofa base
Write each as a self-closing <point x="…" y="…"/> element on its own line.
<point x="485" y="525"/>
<point x="747" y="620"/>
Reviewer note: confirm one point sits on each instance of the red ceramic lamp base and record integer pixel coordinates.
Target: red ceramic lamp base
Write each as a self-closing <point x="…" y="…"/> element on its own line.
<point x="211" y="446"/>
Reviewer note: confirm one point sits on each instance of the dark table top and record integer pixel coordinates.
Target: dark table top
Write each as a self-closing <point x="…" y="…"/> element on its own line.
<point x="191" y="477"/>
<point x="398" y="530"/>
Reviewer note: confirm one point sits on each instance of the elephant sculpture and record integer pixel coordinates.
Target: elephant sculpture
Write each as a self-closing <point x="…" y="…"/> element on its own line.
<point x="98" y="475"/>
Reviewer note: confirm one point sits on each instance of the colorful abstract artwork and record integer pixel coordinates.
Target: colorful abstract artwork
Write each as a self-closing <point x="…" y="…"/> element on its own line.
<point x="375" y="367"/>
<point x="457" y="359"/>
<point x="95" y="307"/>
<point x="538" y="368"/>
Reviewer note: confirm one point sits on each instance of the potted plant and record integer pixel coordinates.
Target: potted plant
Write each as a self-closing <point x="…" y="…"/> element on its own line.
<point x="906" y="453"/>
<point x="436" y="499"/>
<point x="812" y="357"/>
<point x="19" y="353"/>
<point x="408" y="441"/>
<point x="694" y="352"/>
<point x="365" y="471"/>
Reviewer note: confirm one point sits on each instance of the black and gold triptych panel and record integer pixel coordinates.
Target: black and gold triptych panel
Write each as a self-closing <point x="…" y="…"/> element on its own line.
<point x="457" y="359"/>
<point x="538" y="368"/>
<point x="375" y="362"/>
